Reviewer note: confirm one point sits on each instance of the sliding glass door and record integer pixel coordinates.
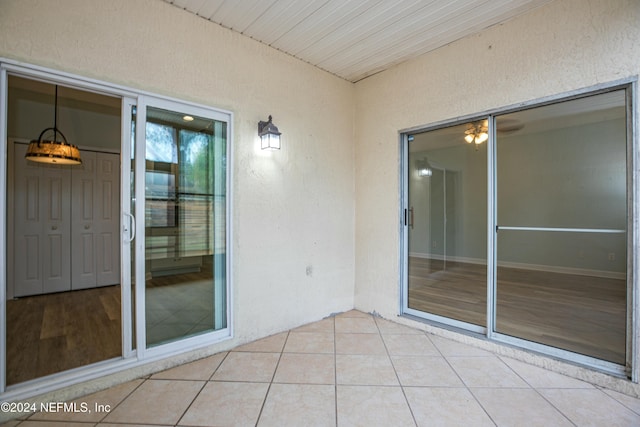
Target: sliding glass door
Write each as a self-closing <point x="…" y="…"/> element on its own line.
<point x="447" y="237"/>
<point x="562" y="226"/>
<point x="121" y="259"/>
<point x="181" y="178"/>
<point x="516" y="226"/>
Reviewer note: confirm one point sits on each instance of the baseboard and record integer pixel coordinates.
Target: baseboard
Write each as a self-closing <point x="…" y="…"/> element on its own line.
<point x="525" y="266"/>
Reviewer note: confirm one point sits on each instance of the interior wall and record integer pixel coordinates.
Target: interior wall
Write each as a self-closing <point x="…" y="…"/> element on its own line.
<point x="563" y="46"/>
<point x="535" y="199"/>
<point x="543" y="199"/>
<point x="84" y="124"/>
<point x="293" y="209"/>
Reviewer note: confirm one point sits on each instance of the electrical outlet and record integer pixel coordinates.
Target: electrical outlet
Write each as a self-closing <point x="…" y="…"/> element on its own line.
<point x="612" y="256"/>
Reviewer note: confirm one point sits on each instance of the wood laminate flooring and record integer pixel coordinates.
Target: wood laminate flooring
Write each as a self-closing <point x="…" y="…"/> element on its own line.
<point x="56" y="332"/>
<point x="582" y="314"/>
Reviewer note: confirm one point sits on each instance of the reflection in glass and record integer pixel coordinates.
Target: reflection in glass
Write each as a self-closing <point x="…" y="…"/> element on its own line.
<point x="562" y="216"/>
<point x="447" y="225"/>
<point x="185" y="226"/>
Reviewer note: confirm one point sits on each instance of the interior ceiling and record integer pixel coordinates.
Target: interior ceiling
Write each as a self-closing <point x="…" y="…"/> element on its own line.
<point x="354" y="39"/>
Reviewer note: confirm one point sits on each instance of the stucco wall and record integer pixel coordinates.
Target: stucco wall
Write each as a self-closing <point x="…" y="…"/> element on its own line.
<point x="293" y="210"/>
<point x="563" y="46"/>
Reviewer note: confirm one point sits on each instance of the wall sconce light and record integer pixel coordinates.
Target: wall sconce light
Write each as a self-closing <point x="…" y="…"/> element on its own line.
<point x="53" y="151"/>
<point x="269" y="135"/>
<point x="423" y="167"/>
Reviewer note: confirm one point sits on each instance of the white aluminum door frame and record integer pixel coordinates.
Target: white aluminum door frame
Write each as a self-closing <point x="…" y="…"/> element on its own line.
<point x="131" y="357"/>
<point x="144" y="102"/>
<point x="633" y="229"/>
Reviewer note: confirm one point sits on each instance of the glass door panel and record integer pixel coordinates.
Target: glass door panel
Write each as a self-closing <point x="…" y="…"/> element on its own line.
<point x="185" y="232"/>
<point x="447" y="234"/>
<point x="562" y="225"/>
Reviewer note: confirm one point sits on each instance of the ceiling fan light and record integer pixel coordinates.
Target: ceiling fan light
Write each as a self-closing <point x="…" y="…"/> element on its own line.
<point x="469" y="138"/>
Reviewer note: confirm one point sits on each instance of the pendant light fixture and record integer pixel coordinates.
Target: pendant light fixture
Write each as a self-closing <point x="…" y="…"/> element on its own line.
<point x="53" y="150"/>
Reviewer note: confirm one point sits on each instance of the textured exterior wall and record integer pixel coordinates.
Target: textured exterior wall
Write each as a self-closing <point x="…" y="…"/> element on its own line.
<point x="293" y="235"/>
<point x="563" y="46"/>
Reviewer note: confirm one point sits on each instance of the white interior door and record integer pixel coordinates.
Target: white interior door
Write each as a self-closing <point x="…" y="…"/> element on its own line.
<point x="42" y="221"/>
<point x="96" y="225"/>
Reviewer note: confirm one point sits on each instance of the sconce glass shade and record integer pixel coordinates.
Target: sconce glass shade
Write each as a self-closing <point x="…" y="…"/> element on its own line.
<point x="53" y="151"/>
<point x="424" y="168"/>
<point x="269" y="135"/>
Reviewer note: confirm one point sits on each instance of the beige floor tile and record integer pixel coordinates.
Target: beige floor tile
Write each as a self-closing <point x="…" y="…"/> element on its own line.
<point x="485" y="372"/>
<point x="358" y="369"/>
<point x="632" y="403"/>
<point x="325" y="325"/>
<point x="592" y="407"/>
<point x="453" y="348"/>
<point x="247" y="367"/>
<point x="446" y="407"/>
<point x="426" y="371"/>
<point x="99" y="405"/>
<point x="519" y="407"/>
<point x="272" y="344"/>
<point x="388" y="327"/>
<point x="156" y="402"/>
<point x="410" y="345"/>
<point x="310" y="342"/>
<point x="356" y="325"/>
<point x="372" y="406"/>
<point x="359" y="344"/>
<point x="201" y="369"/>
<point x="302" y="368"/>
<point x="542" y="378"/>
<point x="299" y="405"/>
<point x="226" y="404"/>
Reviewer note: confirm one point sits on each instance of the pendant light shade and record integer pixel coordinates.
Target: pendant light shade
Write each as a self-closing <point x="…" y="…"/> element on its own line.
<point x="53" y="150"/>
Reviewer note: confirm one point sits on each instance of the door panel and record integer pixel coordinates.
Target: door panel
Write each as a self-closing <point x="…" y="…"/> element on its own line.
<point x="184" y="225"/>
<point x="447" y="273"/>
<point x="42" y="226"/>
<point x="562" y="227"/>
<point x="96" y="222"/>
<point x="108" y="219"/>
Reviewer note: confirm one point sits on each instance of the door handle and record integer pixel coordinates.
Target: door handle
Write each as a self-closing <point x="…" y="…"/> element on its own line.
<point x="132" y="223"/>
<point x="411" y="217"/>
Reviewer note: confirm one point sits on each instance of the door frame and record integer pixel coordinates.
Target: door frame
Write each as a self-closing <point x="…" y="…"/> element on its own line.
<point x="632" y="368"/>
<point x="131" y="357"/>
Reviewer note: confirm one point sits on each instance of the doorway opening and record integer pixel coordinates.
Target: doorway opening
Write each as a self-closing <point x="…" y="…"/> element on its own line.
<point x="63" y="307"/>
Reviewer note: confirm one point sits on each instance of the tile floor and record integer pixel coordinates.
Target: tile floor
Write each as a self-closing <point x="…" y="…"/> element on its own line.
<point x="353" y="370"/>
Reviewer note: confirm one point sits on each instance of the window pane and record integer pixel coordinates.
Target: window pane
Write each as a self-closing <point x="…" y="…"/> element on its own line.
<point x="185" y="222"/>
<point x="562" y="194"/>
<point x="448" y="232"/>
<point x="161" y="143"/>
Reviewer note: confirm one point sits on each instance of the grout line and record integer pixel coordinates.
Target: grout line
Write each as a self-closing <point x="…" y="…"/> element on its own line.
<point x="395" y="371"/>
<point x="266" y="396"/>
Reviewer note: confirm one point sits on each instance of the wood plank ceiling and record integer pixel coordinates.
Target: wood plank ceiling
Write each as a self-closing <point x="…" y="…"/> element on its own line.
<point x="354" y="39"/>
